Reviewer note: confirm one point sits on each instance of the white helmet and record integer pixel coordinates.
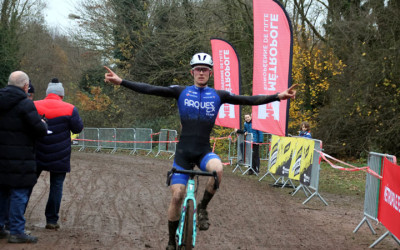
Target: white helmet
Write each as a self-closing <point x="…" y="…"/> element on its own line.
<point x="201" y="59"/>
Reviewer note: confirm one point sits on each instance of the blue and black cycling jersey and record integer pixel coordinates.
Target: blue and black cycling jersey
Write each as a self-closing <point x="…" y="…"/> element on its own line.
<point x="198" y="109"/>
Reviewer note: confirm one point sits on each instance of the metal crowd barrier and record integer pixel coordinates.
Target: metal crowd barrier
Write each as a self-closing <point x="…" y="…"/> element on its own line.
<point x="314" y="181"/>
<point x="114" y="139"/>
<point x="232" y="148"/>
<point x="244" y="153"/>
<point x="313" y="188"/>
<point x="167" y="142"/>
<point x="144" y="139"/>
<point x="264" y="148"/>
<point x="91" y="139"/>
<point x="372" y="185"/>
<point x="107" y="139"/>
<point x="126" y="139"/>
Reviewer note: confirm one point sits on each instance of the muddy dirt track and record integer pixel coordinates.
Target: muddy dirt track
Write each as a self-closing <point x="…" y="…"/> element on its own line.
<point x="120" y="202"/>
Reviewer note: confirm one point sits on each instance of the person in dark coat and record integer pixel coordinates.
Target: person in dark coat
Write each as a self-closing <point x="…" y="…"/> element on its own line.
<point x="53" y="152"/>
<point x="20" y="126"/>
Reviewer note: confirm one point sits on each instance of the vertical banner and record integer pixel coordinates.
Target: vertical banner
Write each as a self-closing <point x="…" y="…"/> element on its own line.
<point x="273" y="45"/>
<point x="389" y="198"/>
<point x="226" y="77"/>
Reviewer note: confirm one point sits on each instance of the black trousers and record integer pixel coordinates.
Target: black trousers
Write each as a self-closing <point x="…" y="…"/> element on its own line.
<point x="256" y="158"/>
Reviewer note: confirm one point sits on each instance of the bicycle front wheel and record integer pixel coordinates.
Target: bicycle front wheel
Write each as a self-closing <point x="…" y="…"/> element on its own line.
<point x="187" y="236"/>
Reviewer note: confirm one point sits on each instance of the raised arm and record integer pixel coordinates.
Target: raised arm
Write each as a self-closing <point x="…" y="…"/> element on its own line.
<point x="111" y="77"/>
<point x="289" y="93"/>
<point x="257" y="99"/>
<point x="144" y="88"/>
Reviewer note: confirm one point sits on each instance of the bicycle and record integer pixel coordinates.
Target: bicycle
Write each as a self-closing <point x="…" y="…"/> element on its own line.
<point x="186" y="232"/>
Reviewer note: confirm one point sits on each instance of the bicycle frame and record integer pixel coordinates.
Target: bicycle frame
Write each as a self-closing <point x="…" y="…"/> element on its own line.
<point x="190" y="195"/>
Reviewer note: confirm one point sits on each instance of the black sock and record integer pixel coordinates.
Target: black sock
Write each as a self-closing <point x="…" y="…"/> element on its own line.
<point x="172" y="227"/>
<point x="206" y="199"/>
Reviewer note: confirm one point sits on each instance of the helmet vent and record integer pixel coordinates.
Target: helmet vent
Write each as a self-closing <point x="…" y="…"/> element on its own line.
<point x="203" y="59"/>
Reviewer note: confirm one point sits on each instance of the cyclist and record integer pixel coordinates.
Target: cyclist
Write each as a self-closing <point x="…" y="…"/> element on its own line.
<point x="198" y="108"/>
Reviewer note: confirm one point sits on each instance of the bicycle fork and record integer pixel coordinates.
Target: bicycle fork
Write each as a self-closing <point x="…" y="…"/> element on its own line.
<point x="190" y="195"/>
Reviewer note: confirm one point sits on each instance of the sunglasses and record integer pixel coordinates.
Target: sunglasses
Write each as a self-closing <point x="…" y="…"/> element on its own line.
<point x="202" y="69"/>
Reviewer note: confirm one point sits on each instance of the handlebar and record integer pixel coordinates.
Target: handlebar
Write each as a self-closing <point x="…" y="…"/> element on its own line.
<point x="192" y="174"/>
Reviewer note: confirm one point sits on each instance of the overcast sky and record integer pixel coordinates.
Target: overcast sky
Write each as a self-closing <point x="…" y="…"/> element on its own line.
<point x="56" y="14"/>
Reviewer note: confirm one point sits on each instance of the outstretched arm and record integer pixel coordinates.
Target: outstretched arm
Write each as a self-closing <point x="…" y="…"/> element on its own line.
<point x="289" y="93"/>
<point x="110" y="76"/>
<point x="144" y="88"/>
<point x="227" y="97"/>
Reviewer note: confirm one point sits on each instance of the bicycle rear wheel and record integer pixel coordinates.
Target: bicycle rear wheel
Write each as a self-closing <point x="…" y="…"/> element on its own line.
<point x="188" y="227"/>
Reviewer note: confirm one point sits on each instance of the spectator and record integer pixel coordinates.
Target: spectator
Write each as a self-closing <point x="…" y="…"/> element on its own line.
<point x="258" y="137"/>
<point x="30" y="94"/>
<point x="20" y="126"/>
<point x="31" y="91"/>
<point x="305" y="130"/>
<point x="53" y="152"/>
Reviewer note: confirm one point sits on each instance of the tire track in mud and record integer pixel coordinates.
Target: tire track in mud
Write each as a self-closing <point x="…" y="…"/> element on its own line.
<point x="41" y="189"/>
<point x="123" y="200"/>
<point x="146" y="207"/>
<point x="97" y="205"/>
<point x="120" y="202"/>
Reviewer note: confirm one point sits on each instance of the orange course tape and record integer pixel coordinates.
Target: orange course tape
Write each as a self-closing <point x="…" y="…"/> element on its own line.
<point x="352" y="169"/>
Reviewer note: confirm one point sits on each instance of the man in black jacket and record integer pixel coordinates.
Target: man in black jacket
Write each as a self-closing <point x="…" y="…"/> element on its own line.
<point x="20" y="126"/>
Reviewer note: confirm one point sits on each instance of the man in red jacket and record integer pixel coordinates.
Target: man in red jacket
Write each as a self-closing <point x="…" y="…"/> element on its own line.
<point x="53" y="152"/>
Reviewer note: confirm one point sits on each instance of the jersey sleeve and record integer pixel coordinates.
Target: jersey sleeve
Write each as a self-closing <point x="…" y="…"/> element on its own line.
<point x="227" y="97"/>
<point x="144" y="88"/>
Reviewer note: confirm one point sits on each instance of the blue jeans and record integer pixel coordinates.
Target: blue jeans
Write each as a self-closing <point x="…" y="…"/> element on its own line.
<point x="55" y="195"/>
<point x="15" y="209"/>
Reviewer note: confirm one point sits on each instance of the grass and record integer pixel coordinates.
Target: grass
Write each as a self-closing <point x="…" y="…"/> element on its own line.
<point x="342" y="182"/>
<point x="336" y="181"/>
